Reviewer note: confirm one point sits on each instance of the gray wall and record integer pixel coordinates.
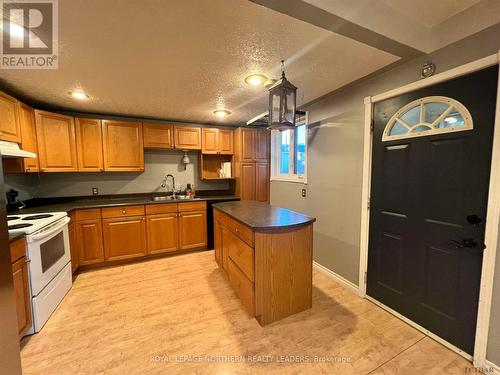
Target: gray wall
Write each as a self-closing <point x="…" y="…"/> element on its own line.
<point x="157" y="165"/>
<point x="336" y="154"/>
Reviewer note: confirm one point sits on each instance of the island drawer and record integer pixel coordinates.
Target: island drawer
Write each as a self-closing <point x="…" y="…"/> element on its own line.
<point x="122" y="211"/>
<point x="241" y="254"/>
<point x="242" y="286"/>
<point x="165" y="208"/>
<point x="192" y="206"/>
<point x="242" y="231"/>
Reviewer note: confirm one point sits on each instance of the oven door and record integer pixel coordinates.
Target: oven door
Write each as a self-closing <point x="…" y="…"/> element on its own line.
<point x="48" y="252"/>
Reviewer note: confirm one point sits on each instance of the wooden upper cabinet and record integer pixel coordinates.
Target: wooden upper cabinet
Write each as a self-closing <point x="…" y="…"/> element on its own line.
<point x="28" y="137"/>
<point x="225" y="141"/>
<point x="217" y="141"/>
<point x="10" y="129"/>
<point x="158" y="136"/>
<point x="187" y="138"/>
<point x="262" y="182"/>
<point x="210" y="141"/>
<point x="262" y="145"/>
<point x="247" y="144"/>
<point x="247" y="181"/>
<point x="89" y="145"/>
<point x="123" y="146"/>
<point x="56" y="142"/>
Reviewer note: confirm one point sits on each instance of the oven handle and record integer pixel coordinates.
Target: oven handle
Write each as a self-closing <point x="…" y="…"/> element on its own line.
<point x="49" y="231"/>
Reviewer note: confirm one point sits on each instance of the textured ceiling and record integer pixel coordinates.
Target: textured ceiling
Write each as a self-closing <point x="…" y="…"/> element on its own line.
<point x="181" y="59"/>
<point x="430" y="12"/>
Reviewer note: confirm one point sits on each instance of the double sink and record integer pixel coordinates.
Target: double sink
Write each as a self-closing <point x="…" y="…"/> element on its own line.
<point x="173" y="198"/>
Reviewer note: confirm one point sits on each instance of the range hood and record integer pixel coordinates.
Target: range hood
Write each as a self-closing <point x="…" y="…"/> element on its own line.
<point x="12" y="150"/>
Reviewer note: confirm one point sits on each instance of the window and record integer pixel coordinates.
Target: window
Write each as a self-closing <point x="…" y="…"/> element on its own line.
<point x="427" y="116"/>
<point x="289" y="152"/>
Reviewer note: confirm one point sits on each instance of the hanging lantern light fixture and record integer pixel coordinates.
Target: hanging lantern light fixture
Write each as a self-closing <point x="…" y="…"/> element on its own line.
<point x="282" y="103"/>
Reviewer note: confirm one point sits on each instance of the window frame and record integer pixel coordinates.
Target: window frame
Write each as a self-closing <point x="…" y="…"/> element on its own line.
<point x="291" y="176"/>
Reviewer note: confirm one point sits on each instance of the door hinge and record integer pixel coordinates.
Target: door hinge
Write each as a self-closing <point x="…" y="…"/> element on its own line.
<point x="372" y="125"/>
<point x="366" y="277"/>
<point x="368" y="204"/>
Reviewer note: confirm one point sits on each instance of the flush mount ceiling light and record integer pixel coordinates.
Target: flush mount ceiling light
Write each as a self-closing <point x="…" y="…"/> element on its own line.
<point x="78" y="94"/>
<point x="255" y="79"/>
<point x="270" y="82"/>
<point x="222" y="113"/>
<point x="282" y="103"/>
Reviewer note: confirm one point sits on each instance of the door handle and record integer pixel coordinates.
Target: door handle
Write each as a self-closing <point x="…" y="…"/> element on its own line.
<point x="466" y="242"/>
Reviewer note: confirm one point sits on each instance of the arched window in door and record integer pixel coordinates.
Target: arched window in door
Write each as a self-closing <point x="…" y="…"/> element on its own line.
<point x="428" y="116"/>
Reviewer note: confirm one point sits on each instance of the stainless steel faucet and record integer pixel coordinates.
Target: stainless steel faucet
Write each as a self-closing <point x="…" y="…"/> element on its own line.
<point x="164" y="183"/>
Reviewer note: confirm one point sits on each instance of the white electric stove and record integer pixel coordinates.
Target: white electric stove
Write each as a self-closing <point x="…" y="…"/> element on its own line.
<point x="49" y="260"/>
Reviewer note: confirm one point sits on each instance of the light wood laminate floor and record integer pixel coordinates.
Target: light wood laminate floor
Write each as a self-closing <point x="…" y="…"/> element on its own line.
<point x="178" y="315"/>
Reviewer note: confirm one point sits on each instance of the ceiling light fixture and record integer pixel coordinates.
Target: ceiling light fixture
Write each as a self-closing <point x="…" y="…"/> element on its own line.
<point x="222" y="113"/>
<point x="78" y="94"/>
<point x="282" y="103"/>
<point x="255" y="79"/>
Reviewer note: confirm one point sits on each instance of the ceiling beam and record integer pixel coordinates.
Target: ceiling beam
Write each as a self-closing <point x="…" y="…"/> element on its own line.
<point x="315" y="16"/>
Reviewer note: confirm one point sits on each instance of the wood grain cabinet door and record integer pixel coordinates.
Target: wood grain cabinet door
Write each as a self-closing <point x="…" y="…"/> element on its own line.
<point x="73" y="246"/>
<point x="163" y="233"/>
<point x="124" y="238"/>
<point x="23" y="299"/>
<point x="123" y="146"/>
<point x="247" y="144"/>
<point x="262" y="145"/>
<point x="262" y="182"/>
<point x="89" y="145"/>
<point x="209" y="141"/>
<point x="187" y="138"/>
<point x="218" y="242"/>
<point x="56" y="142"/>
<point x="247" y="181"/>
<point x="225" y="141"/>
<point x="10" y="129"/>
<point x="192" y="230"/>
<point x="158" y="136"/>
<point x="90" y="241"/>
<point x="28" y="137"/>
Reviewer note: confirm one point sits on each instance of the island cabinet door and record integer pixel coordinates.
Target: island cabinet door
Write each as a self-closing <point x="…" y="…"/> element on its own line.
<point x="218" y="242"/>
<point x="124" y="238"/>
<point x="163" y="233"/>
<point x="192" y="230"/>
<point x="89" y="241"/>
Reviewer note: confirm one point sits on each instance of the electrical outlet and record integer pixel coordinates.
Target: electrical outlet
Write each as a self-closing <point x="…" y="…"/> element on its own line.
<point x="303" y="193"/>
<point x="95" y="191"/>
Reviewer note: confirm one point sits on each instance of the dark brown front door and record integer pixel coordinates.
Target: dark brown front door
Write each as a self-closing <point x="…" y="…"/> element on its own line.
<point x="428" y="210"/>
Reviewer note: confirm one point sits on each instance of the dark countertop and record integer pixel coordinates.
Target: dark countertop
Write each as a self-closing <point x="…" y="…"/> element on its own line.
<point x="15" y="236"/>
<point x="81" y="203"/>
<point x="262" y="216"/>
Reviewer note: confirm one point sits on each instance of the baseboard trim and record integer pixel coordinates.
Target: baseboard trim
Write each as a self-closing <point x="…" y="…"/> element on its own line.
<point x="490" y="365"/>
<point x="421" y="329"/>
<point x="328" y="272"/>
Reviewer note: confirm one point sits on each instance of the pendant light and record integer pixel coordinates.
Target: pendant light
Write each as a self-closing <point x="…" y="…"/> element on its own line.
<point x="282" y="103"/>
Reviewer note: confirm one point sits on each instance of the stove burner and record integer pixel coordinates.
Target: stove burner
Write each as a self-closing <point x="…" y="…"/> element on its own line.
<point x="37" y="217"/>
<point x="9" y="218"/>
<point x="19" y="226"/>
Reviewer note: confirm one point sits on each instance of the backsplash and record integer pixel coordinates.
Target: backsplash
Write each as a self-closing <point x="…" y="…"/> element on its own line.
<point x="157" y="164"/>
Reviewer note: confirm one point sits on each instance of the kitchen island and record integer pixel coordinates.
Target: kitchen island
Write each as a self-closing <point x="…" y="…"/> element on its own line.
<point x="266" y="252"/>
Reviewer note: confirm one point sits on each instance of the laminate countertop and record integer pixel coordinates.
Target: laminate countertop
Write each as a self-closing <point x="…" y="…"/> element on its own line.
<point x="66" y="205"/>
<point x="261" y="216"/>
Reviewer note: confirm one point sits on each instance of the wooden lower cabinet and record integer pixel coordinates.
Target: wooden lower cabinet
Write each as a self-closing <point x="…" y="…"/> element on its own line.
<point x="124" y="238"/>
<point x="89" y="242"/>
<point x="73" y="247"/>
<point x="163" y="233"/>
<point x="23" y="300"/>
<point x="21" y="286"/>
<point x="247" y="180"/>
<point x="218" y="242"/>
<point x="192" y="230"/>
